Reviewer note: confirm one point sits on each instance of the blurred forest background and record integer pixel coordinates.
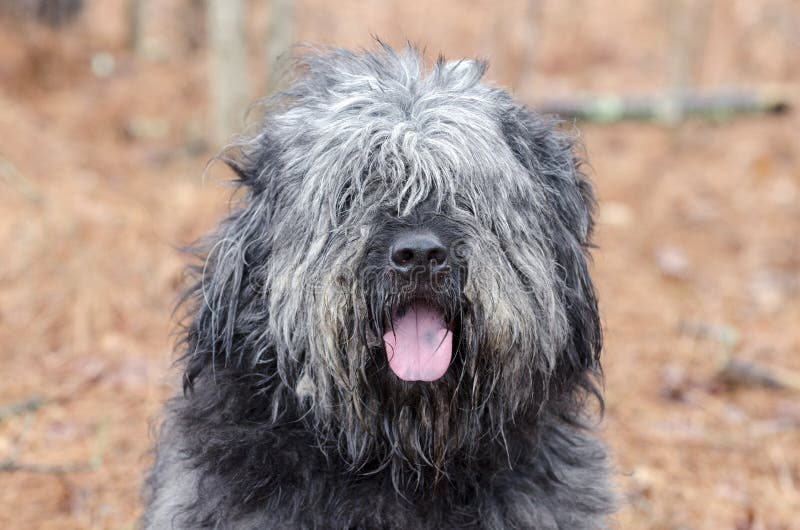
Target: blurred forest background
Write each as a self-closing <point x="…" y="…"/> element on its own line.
<point x="110" y="110"/>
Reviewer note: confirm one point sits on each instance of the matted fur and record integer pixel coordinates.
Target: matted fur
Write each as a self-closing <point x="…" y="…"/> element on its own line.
<point x="290" y="417"/>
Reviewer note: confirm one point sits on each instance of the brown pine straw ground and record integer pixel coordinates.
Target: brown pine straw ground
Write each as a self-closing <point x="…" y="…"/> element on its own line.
<point x="101" y="178"/>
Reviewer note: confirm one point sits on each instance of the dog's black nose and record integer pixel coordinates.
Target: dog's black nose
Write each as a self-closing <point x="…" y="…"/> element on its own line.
<point x="416" y="251"/>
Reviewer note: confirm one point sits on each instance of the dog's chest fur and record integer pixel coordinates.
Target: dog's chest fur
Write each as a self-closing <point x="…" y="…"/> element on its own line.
<point x="552" y="477"/>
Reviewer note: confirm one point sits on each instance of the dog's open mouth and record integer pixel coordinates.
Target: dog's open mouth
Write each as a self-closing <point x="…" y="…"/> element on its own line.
<point x="418" y="343"/>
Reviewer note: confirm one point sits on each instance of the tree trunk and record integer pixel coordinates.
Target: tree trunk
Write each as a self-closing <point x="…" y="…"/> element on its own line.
<point x="228" y="54"/>
<point x="280" y="33"/>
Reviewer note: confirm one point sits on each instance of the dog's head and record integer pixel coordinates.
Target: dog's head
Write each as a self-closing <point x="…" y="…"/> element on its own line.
<point x="408" y="266"/>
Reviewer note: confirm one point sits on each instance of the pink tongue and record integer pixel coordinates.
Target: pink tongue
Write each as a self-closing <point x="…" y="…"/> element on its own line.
<point x="419" y="346"/>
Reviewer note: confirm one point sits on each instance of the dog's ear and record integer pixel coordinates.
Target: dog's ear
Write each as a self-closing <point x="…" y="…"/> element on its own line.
<point x="256" y="161"/>
<point x="549" y="157"/>
<point x="228" y="301"/>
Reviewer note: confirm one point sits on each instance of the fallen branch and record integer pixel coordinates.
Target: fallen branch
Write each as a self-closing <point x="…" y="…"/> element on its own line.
<point x="728" y="336"/>
<point x="95" y="462"/>
<point x="749" y="373"/>
<point x="11" y="466"/>
<point x="10" y="174"/>
<point x="669" y="108"/>
<point x="30" y="404"/>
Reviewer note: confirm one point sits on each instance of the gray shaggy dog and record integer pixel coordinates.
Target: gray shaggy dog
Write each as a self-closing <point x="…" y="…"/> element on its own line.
<point x="396" y="328"/>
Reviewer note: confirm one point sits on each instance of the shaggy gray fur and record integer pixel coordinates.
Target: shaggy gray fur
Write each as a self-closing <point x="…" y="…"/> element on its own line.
<point x="290" y="418"/>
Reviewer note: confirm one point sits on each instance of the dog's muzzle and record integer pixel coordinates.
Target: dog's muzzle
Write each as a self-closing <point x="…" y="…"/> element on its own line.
<point x="418" y="342"/>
